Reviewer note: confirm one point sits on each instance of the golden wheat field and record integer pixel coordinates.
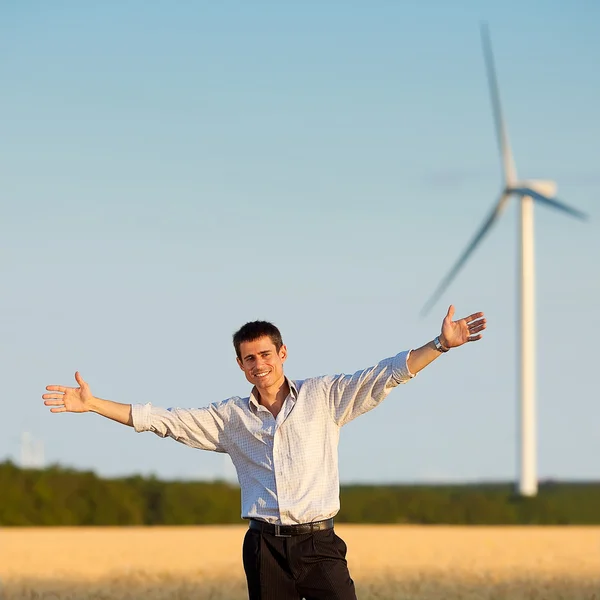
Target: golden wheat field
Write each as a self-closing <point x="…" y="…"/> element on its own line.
<point x="386" y="562"/>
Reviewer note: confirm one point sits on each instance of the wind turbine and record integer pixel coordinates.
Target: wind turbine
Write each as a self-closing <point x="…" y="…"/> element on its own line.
<point x="526" y="192"/>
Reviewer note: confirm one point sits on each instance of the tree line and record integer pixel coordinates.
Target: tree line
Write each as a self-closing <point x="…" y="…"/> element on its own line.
<point x="61" y="496"/>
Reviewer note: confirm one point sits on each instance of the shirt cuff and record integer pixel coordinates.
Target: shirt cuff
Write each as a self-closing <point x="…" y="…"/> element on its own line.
<point x="140" y="415"/>
<point x="401" y="372"/>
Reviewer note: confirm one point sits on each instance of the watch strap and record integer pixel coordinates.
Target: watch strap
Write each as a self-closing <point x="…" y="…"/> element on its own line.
<point x="438" y="345"/>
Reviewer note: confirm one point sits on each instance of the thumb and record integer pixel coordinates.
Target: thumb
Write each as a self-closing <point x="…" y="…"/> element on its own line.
<point x="79" y="379"/>
<point x="450" y="312"/>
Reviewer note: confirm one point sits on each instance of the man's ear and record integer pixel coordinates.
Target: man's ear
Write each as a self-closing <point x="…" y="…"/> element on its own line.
<point x="283" y="353"/>
<point x="239" y="362"/>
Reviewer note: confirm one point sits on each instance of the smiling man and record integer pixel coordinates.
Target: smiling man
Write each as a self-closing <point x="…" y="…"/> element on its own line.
<point x="283" y="441"/>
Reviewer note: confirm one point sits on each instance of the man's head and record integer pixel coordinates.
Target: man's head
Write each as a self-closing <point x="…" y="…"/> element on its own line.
<point x="254" y="330"/>
<point x="260" y="353"/>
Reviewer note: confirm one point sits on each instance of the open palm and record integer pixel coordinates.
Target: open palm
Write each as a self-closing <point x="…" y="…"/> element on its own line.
<point x="459" y="332"/>
<point x="69" y="399"/>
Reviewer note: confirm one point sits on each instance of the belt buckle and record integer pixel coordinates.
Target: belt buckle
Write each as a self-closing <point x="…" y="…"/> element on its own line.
<point x="278" y="532"/>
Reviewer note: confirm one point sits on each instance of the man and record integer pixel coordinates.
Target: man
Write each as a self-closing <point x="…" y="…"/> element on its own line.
<point x="283" y="442"/>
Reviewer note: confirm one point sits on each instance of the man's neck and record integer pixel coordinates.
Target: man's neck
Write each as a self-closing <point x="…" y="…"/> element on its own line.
<point x="272" y="398"/>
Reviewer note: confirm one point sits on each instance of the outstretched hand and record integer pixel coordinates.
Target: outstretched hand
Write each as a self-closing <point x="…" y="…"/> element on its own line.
<point x="69" y="399"/>
<point x="457" y="333"/>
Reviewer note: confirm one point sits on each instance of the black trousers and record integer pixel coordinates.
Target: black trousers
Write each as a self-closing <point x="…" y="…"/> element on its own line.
<point x="311" y="566"/>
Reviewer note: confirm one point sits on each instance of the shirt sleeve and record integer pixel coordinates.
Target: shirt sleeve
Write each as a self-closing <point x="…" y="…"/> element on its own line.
<point x="201" y="428"/>
<point x="350" y="396"/>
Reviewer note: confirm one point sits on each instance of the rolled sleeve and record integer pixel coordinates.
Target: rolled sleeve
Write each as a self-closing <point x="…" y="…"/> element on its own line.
<point x="400" y="371"/>
<point x="201" y="428"/>
<point x="140" y="415"/>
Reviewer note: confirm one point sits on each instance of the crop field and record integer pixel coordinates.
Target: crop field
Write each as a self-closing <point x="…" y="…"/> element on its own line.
<point x="386" y="562"/>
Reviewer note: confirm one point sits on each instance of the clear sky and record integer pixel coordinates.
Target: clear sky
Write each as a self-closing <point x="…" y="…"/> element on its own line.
<point x="169" y="171"/>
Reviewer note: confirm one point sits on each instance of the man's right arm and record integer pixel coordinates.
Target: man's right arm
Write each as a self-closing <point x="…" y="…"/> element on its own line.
<point x="199" y="428"/>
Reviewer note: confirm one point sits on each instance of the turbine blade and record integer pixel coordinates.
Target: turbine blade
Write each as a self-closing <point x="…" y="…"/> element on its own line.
<point x="552" y="202"/>
<point x="487" y="224"/>
<point x="508" y="163"/>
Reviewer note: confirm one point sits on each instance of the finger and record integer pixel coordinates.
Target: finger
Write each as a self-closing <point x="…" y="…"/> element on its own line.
<point x="474" y="317"/>
<point x="474" y="338"/>
<point x="476" y="328"/>
<point x="450" y="312"/>
<point x="57" y="388"/>
<point x="475" y="324"/>
<point x="79" y="379"/>
<point x="54" y="402"/>
<point x="58" y="410"/>
<point x="52" y="396"/>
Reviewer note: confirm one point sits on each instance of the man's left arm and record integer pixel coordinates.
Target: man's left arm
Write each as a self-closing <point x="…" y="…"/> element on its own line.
<point x="453" y="334"/>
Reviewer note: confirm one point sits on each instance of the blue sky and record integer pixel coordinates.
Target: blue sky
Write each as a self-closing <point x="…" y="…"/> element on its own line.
<point x="170" y="171"/>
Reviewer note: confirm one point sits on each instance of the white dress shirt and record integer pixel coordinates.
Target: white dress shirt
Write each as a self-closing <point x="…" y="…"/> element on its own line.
<point x="287" y="466"/>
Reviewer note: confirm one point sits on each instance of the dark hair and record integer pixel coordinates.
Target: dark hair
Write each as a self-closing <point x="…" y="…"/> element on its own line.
<point x="254" y="330"/>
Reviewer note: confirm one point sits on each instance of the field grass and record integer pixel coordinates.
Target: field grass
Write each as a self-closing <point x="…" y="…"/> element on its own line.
<point x="387" y="563"/>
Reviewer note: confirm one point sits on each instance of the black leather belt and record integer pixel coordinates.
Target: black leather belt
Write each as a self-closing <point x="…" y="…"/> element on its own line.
<point x="290" y="530"/>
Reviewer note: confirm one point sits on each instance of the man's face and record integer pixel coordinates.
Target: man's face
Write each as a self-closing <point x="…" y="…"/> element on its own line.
<point x="261" y="363"/>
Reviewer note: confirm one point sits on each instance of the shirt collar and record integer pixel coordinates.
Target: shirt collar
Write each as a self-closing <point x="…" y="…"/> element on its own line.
<point x="253" y="398"/>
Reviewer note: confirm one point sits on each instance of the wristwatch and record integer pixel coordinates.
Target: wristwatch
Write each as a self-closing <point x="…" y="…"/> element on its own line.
<point x="438" y="345"/>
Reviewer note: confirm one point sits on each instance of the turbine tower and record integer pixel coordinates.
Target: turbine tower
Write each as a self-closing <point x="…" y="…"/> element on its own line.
<point x="526" y="192"/>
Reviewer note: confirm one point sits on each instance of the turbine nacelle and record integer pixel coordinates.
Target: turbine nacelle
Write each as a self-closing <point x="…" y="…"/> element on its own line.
<point x="543" y="187"/>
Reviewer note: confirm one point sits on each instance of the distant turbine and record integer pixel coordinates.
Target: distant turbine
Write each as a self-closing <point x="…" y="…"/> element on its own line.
<point x="526" y="192"/>
<point x="32" y="452"/>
